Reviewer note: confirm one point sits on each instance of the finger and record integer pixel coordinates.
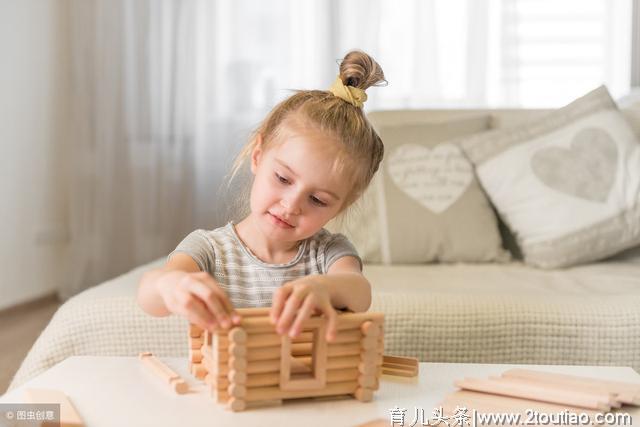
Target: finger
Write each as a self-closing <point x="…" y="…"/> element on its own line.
<point x="290" y="309"/>
<point x="303" y="314"/>
<point x="279" y="298"/>
<point x="332" y="322"/>
<point x="211" y="300"/>
<point x="215" y="286"/>
<point x="196" y="312"/>
<point x="223" y="298"/>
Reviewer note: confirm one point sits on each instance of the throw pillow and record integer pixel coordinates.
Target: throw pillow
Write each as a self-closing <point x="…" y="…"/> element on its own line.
<point x="425" y="203"/>
<point x="568" y="184"/>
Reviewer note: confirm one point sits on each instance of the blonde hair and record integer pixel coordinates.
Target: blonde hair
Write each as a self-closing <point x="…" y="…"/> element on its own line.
<point x="345" y="123"/>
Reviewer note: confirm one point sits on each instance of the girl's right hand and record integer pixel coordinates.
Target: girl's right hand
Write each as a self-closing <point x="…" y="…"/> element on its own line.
<point x="198" y="298"/>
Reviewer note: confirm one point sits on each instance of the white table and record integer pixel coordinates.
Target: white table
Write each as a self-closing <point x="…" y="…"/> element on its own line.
<point x="110" y="391"/>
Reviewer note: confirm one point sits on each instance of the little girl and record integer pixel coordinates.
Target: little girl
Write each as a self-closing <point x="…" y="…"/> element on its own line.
<point x="312" y="157"/>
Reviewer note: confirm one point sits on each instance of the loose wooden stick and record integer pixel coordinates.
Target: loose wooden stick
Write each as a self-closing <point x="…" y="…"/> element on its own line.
<point x="68" y="414"/>
<point x="400" y="366"/>
<point x="164" y="372"/>
<point x="487" y="402"/>
<point x="602" y="395"/>
<point x="544" y="394"/>
<point x="270" y="339"/>
<point x="627" y="392"/>
<point x="269" y="393"/>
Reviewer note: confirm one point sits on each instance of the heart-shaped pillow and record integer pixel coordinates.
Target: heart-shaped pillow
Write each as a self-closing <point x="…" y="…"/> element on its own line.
<point x="586" y="170"/>
<point x="434" y="177"/>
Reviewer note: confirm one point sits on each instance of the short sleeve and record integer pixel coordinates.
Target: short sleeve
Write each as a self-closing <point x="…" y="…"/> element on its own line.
<point x="337" y="247"/>
<point x="198" y="247"/>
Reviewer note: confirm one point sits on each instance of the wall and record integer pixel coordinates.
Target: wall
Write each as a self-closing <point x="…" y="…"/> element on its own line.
<point x="34" y="117"/>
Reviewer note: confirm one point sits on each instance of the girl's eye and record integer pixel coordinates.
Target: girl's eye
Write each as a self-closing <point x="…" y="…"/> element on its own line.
<point x="282" y="179"/>
<point x="317" y="201"/>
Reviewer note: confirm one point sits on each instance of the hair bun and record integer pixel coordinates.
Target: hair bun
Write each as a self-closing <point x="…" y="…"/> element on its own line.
<point x="360" y="70"/>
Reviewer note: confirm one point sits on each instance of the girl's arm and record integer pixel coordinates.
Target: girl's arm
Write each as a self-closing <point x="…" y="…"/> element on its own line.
<point x="348" y="288"/>
<point x="181" y="288"/>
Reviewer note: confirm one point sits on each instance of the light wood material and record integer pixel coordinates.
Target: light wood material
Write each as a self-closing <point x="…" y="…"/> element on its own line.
<point x="195" y="331"/>
<point x="543" y="394"/>
<point x="495" y="403"/>
<point x="318" y="377"/>
<point x="69" y="416"/>
<point x="161" y="370"/>
<point x="628" y="393"/>
<point x="348" y="321"/>
<point x="306" y="366"/>
<point x="364" y="394"/>
<point x="267" y="393"/>
<point x="237" y="335"/>
<point x="196" y="343"/>
<point x="400" y="366"/>
<point x="602" y="396"/>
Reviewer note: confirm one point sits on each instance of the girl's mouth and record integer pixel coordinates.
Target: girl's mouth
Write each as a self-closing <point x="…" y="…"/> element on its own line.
<point x="279" y="222"/>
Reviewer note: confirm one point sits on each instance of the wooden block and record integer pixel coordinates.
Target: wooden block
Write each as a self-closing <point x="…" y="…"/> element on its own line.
<point x="270" y="393"/>
<point x="236" y="404"/>
<point x="318" y="359"/>
<point x="401" y="360"/>
<point x="347" y="349"/>
<point x="195" y="356"/>
<point x="237" y="350"/>
<point x="370" y="329"/>
<point x="298" y="366"/>
<point x="364" y="394"/>
<point x="238" y="377"/>
<point x="263" y="353"/>
<point x="237" y="390"/>
<point x="68" y="414"/>
<point x="533" y="392"/>
<point x="237" y="363"/>
<point x="397" y="372"/>
<point x="166" y="374"/>
<point x="195" y="331"/>
<point x="237" y="335"/>
<point x="199" y="371"/>
<point x="369" y="342"/>
<point x="367" y="368"/>
<point x="628" y="393"/>
<point x="603" y="396"/>
<point x="196" y="343"/>
<point x="400" y="366"/>
<point x="494" y="403"/>
<point x="367" y="381"/>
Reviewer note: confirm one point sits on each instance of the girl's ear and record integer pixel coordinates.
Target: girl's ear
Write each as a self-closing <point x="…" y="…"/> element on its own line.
<point x="256" y="153"/>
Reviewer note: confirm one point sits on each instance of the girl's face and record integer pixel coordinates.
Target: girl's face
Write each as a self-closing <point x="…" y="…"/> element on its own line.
<point x="295" y="191"/>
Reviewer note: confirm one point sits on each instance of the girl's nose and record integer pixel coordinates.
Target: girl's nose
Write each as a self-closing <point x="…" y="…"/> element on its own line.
<point x="291" y="205"/>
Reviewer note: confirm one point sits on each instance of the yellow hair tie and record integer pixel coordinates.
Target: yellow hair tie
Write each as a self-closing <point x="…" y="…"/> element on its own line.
<point x="352" y="95"/>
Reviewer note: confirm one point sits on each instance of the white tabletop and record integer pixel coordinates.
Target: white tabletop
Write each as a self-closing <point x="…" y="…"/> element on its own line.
<point x="110" y="391"/>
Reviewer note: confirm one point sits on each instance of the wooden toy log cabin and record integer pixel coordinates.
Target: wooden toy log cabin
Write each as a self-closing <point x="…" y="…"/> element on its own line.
<point x="252" y="365"/>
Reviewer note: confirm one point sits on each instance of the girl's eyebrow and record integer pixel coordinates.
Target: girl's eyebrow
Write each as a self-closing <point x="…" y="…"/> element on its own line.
<point x="335" y="196"/>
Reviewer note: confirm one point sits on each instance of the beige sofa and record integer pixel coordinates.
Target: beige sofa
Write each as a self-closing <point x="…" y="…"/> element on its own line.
<point x="489" y="313"/>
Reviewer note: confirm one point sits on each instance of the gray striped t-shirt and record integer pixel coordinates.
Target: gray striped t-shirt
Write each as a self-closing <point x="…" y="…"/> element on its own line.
<point x="250" y="282"/>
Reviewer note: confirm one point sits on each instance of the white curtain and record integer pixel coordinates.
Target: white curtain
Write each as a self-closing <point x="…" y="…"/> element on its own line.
<point x="133" y="147"/>
<point x="166" y="92"/>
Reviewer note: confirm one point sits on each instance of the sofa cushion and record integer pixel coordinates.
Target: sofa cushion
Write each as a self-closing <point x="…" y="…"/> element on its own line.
<point x="425" y="203"/>
<point x="568" y="184"/>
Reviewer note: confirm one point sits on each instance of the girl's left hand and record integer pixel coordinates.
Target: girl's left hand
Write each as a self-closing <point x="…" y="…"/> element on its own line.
<point x="296" y="301"/>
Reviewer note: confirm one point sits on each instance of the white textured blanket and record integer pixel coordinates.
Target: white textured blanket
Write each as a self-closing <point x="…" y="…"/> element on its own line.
<point x="489" y="313"/>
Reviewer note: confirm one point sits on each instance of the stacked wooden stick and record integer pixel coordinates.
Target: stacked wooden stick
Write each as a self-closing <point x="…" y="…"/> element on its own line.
<point x="252" y="365"/>
<point x="517" y="390"/>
